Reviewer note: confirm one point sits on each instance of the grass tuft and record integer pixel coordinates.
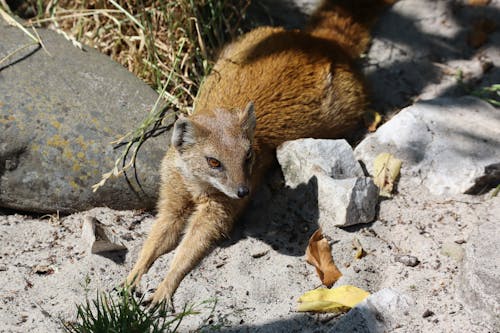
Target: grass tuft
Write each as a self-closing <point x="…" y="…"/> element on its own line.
<point x="125" y="314"/>
<point x="490" y="94"/>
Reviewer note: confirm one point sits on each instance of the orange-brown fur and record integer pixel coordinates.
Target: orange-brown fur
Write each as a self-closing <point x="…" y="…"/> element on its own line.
<point x="302" y="84"/>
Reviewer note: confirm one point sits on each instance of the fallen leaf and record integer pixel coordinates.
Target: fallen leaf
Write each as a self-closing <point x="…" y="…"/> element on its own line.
<point x="386" y="169"/>
<point x="481" y="29"/>
<point x="478" y="2"/>
<point x="360" y="252"/>
<point x="318" y="254"/>
<point x="372" y="120"/>
<point x="338" y="299"/>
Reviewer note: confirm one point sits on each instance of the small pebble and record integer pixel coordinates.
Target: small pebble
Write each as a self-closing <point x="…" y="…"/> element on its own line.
<point x="407" y="260"/>
<point x="259" y="254"/>
<point x="128" y="236"/>
<point x="427" y="313"/>
<point x="436" y="265"/>
<point x="220" y="264"/>
<point x="43" y="270"/>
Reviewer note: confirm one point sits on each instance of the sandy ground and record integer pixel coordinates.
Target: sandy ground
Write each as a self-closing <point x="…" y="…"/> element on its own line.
<point x="257" y="276"/>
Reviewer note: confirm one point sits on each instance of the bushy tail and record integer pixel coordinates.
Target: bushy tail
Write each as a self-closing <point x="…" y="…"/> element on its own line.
<point x="347" y="22"/>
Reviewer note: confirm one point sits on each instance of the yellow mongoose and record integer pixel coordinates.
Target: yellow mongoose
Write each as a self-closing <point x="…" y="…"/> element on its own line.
<point x="268" y="87"/>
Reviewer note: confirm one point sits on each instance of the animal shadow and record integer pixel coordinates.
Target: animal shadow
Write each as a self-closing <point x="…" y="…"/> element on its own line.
<point x="283" y="217"/>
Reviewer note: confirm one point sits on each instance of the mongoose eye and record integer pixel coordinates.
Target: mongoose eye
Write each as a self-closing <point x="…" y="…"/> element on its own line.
<point x="213" y="163"/>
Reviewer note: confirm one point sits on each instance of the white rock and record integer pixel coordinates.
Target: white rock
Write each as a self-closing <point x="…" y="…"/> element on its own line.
<point x="381" y="312"/>
<point x="100" y="238"/>
<point x="444" y="143"/>
<point x="303" y="158"/>
<point x="345" y="202"/>
<point x="343" y="195"/>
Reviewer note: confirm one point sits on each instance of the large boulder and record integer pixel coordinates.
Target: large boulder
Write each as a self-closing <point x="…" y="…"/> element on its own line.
<point x="59" y="113"/>
<point x="450" y="145"/>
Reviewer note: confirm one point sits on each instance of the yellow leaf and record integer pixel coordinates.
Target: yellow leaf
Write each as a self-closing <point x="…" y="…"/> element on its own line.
<point x="372" y="120"/>
<point x="337" y="299"/>
<point x="360" y="252"/>
<point x="322" y="306"/>
<point x="386" y="169"/>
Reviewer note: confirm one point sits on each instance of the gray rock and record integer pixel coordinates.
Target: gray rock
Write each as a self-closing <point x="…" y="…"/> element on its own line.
<point x="383" y="311"/>
<point x="59" y="114"/>
<point x="302" y="158"/>
<point x="407" y="260"/>
<point x="99" y="238"/>
<point x="480" y="280"/>
<point x="447" y="144"/>
<point x="428" y="313"/>
<point x="335" y="181"/>
<point x="345" y="202"/>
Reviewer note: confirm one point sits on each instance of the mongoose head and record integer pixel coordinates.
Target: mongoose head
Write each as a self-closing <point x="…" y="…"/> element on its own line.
<point x="215" y="150"/>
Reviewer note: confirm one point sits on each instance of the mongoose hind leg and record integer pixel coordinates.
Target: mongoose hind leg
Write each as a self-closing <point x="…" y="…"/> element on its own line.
<point x="174" y="209"/>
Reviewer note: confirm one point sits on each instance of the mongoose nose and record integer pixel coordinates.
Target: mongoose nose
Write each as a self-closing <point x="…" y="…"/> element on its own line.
<point x="243" y="191"/>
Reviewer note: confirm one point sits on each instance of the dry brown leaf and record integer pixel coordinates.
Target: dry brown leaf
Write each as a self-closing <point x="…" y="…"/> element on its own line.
<point x="480" y="32"/>
<point x="478" y="2"/>
<point x="318" y="254"/>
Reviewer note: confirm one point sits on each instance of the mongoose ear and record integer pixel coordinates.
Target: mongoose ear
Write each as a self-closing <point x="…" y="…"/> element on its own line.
<point x="248" y="120"/>
<point x="183" y="134"/>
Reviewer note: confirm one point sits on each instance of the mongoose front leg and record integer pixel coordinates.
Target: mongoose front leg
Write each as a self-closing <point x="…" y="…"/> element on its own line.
<point x="174" y="209"/>
<point x="209" y="223"/>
